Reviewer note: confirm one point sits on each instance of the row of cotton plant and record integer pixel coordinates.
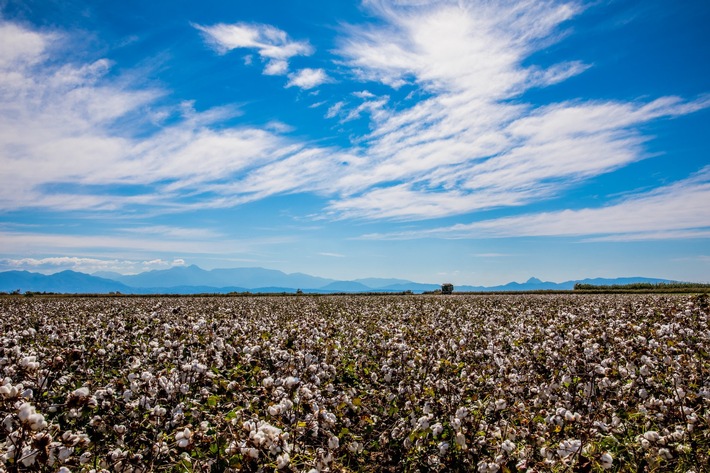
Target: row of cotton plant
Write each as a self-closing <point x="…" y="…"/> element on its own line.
<point x="355" y="383"/>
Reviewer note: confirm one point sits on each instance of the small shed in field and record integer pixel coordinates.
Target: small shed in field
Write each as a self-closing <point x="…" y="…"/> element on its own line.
<point x="447" y="288"/>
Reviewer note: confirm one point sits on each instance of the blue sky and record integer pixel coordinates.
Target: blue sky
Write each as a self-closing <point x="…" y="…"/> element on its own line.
<point x="471" y="141"/>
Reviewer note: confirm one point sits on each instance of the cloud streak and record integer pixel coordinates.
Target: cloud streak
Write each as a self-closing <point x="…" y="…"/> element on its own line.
<point x="272" y="44"/>
<point x="471" y="144"/>
<point x="677" y="211"/>
<point x="87" y="265"/>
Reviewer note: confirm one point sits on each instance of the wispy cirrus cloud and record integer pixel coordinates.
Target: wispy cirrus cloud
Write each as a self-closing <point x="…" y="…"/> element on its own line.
<point x="75" y="139"/>
<point x="272" y="44"/>
<point x="87" y="265"/>
<point x="132" y="243"/>
<point x="676" y="211"/>
<point x="332" y="255"/>
<point x="470" y="146"/>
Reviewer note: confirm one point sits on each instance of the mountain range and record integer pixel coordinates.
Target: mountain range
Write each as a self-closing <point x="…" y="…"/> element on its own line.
<point x="195" y="280"/>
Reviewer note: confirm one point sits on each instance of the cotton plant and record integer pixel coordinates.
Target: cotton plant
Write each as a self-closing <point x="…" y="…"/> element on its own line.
<point x="526" y="383"/>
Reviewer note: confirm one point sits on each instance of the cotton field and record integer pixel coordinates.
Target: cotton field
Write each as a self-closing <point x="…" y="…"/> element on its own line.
<point x="355" y="383"/>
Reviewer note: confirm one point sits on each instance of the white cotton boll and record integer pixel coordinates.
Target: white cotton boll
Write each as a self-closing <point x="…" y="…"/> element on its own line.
<point x="291" y="381"/>
<point x="286" y="404"/>
<point x="250" y="452"/>
<point x="283" y="460"/>
<point x="606" y="461"/>
<point x="37" y="422"/>
<point x="651" y="436"/>
<point x="81" y="392"/>
<point x="683" y="448"/>
<point x="333" y="442"/>
<point x="501" y="404"/>
<point x="28" y="456"/>
<point x="7" y="423"/>
<point x="461" y="440"/>
<point x="29" y="363"/>
<point x="65" y="453"/>
<point x="183" y="437"/>
<point x="461" y="413"/>
<point x="508" y="446"/>
<point x="443" y="448"/>
<point x="569" y="447"/>
<point x="63" y="469"/>
<point x="267" y="382"/>
<point x="25" y="411"/>
<point x="436" y="429"/>
<point x="665" y="453"/>
<point x="274" y="410"/>
<point x="355" y="447"/>
<point x="329" y="418"/>
<point x="423" y="422"/>
<point x="487" y="467"/>
<point x="249" y="425"/>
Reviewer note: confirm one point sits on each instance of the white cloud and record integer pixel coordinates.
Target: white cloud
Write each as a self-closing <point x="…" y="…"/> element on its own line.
<point x="468" y="146"/>
<point x="271" y="43"/>
<point x="374" y="107"/>
<point x="69" y="163"/>
<point x="308" y="78"/>
<point x="677" y="211"/>
<point x="137" y="245"/>
<point x="86" y="265"/>
<point x="364" y="94"/>
<point x="20" y="47"/>
<point x="334" y="109"/>
<point x="276" y="68"/>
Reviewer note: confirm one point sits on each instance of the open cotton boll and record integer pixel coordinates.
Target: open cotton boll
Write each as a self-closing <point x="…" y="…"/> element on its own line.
<point x="25" y="411"/>
<point x="606" y="461"/>
<point x="183" y="438"/>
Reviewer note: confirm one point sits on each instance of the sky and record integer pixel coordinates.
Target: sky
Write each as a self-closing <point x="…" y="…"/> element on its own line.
<point x="477" y="142"/>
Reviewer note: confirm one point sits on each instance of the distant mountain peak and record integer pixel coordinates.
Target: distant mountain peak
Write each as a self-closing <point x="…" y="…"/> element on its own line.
<point x="193" y="280"/>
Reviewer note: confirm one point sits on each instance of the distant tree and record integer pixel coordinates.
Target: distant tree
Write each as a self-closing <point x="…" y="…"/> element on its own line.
<point x="447" y="288"/>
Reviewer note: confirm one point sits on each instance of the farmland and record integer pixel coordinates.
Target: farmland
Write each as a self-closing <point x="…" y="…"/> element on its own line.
<point x="355" y="383"/>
